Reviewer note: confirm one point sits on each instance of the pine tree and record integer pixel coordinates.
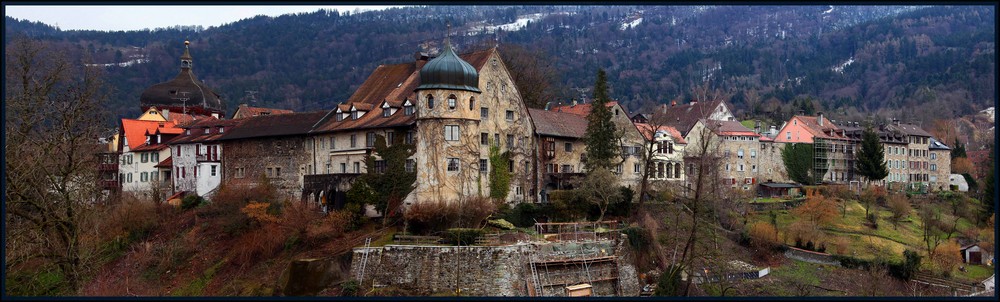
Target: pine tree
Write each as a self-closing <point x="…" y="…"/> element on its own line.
<point x="602" y="144"/>
<point x="871" y="157"/>
<point x="959" y="150"/>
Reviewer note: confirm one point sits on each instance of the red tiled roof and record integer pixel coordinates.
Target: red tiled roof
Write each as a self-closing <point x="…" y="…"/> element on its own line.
<point x="647" y="131"/>
<point x="180" y="118"/>
<point x="135" y="130"/>
<point x="729" y="128"/>
<point x="246" y="111"/>
<point x="166" y="163"/>
<point x="827" y="131"/>
<point x="145" y="147"/>
<point x="561" y="124"/>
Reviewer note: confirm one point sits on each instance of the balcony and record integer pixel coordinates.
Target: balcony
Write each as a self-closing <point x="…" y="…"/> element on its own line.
<point x="207" y="157"/>
<point x="107" y="167"/>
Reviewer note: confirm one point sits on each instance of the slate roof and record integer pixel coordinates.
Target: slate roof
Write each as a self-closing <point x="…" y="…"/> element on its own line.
<point x="198" y="134"/>
<point x="683" y="117"/>
<point x="274" y="125"/>
<point x="647" y="131"/>
<point x="579" y="109"/>
<point x="185" y="85"/>
<point x="560" y="124"/>
<point x="910" y="129"/>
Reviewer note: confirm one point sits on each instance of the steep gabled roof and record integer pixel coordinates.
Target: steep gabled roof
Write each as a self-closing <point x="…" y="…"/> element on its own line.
<point x="729" y="128"/>
<point x="561" y="124"/>
<point x="199" y="136"/>
<point x="683" y="117"/>
<point x="827" y="131"/>
<point x="274" y="125"/>
<point x="580" y="109"/>
<point x="166" y="163"/>
<point x="910" y="129"/>
<point x="135" y="130"/>
<point x="647" y="131"/>
<point x="371" y="119"/>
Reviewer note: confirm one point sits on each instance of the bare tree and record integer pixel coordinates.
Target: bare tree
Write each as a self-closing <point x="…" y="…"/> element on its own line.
<point x="650" y="147"/>
<point x="600" y="187"/>
<point x="52" y="122"/>
<point x="753" y="100"/>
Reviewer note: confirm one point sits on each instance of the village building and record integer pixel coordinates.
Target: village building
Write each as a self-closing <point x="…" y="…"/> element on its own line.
<point x="267" y="149"/>
<point x="454" y="108"/>
<point x="939" y="165"/>
<point x="196" y="156"/>
<point x="183" y="94"/>
<point x="830" y="143"/>
<point x="683" y="116"/>
<point x="140" y="149"/>
<point x="745" y="160"/>
<point x="561" y="148"/>
<point x="668" y="153"/>
<point x="631" y="140"/>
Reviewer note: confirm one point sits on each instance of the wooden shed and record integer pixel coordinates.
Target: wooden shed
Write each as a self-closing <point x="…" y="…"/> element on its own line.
<point x="580" y="290"/>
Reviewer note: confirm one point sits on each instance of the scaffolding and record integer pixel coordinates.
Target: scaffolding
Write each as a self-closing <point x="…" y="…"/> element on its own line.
<point x="833" y="157"/>
<point x="821" y="160"/>
<point x="560" y="269"/>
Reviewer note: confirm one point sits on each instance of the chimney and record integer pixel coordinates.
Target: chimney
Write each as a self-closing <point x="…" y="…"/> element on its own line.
<point x="895" y="121"/>
<point x="774" y="130"/>
<point x="756" y="127"/>
<point x="820" y="119"/>
<point x="673" y="103"/>
<point x="166" y="114"/>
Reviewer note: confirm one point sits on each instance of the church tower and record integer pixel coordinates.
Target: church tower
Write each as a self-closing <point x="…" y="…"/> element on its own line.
<point x="184" y="94"/>
<point x="447" y="123"/>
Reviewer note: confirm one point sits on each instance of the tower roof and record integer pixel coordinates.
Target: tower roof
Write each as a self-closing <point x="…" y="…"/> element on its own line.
<point x="448" y="71"/>
<point x="183" y="93"/>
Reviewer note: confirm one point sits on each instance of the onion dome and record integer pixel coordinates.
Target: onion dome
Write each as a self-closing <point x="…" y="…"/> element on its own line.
<point x="448" y="71"/>
<point x="184" y="93"/>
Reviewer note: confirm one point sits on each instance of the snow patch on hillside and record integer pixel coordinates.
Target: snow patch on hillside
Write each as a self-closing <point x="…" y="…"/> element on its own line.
<point x="517" y="25"/>
<point x="122" y="64"/>
<point x="632" y="24"/>
<point x="840" y="68"/>
<point x="988" y="112"/>
<point x="829" y="10"/>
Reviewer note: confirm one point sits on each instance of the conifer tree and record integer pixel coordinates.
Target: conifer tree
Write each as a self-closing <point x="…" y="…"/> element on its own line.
<point x="871" y="157"/>
<point x="602" y="144"/>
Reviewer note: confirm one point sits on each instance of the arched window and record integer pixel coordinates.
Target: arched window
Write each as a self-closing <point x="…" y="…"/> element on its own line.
<point x="452" y="101"/>
<point x="472" y="103"/>
<point x="677" y="170"/>
<point x="430" y="102"/>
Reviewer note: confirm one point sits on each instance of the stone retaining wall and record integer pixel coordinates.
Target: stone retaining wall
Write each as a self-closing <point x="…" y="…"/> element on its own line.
<point x="811" y="257"/>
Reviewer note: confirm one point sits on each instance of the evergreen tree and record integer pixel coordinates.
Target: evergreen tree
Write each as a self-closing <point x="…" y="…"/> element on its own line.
<point x="602" y="143"/>
<point x="798" y="162"/>
<point x="989" y="188"/>
<point x="385" y="185"/>
<point x="871" y="157"/>
<point x="959" y="150"/>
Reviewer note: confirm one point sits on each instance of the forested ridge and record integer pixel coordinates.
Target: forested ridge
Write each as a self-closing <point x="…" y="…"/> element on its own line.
<point x="918" y="62"/>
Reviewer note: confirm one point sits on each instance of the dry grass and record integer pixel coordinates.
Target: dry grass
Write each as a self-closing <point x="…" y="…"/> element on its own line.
<point x="436" y="216"/>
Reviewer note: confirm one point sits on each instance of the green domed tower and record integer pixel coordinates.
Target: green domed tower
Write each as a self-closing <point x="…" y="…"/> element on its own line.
<point x="447" y="129"/>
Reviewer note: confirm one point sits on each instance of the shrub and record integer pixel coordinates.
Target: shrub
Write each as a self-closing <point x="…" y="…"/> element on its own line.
<point x="256" y="245"/>
<point x="763" y="235"/>
<point x="638" y="237"/>
<point x="463" y="236"/>
<point x="500" y="224"/>
<point x="668" y="284"/>
<point x="430" y="216"/>
<point x="191" y="201"/>
<point x="524" y="214"/>
<point x="350" y="288"/>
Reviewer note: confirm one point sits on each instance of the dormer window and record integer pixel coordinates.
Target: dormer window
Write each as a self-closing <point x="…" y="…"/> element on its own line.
<point x="221" y="129"/>
<point x="340" y="115"/>
<point x="386" y="112"/>
<point x="452" y="102"/>
<point x="206" y="130"/>
<point x="354" y="114"/>
<point x="187" y="132"/>
<point x="407" y="108"/>
<point x="430" y="102"/>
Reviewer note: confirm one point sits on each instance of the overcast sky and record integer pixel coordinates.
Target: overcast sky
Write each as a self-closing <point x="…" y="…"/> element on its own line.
<point x="136" y="17"/>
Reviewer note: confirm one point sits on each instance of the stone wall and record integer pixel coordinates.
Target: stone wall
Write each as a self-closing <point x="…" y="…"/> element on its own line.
<point x="811" y="257"/>
<point x="499" y="270"/>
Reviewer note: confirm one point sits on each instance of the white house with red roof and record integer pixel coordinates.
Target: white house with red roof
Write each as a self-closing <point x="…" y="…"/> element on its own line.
<point x="141" y="148"/>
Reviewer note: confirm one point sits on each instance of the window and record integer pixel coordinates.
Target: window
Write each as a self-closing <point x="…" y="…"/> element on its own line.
<point x="566" y="169"/>
<point x="740" y="168"/>
<point x="277" y="172"/>
<point x="221" y="130"/>
<point x="636" y="168"/>
<point x="409" y="137"/>
<point x="206" y="130"/>
<point x="452" y="164"/>
<point x="154" y="176"/>
<point x="496" y="138"/>
<point x="155" y="157"/>
<point x="933" y="167"/>
<point x="130" y="177"/>
<point x="390" y="137"/>
<point x="484" y="138"/>
<point x="618" y="169"/>
<point x="452" y="102"/>
<point x="143" y="177"/>
<point x="328" y="168"/>
<point x="510" y="166"/>
<point x="451" y="132"/>
<point x="569" y="147"/>
<point x="484" y="113"/>
<point x="753" y="153"/>
<point x="354" y="140"/>
<point x="739" y="153"/>
<point x="343" y="167"/>
<point x="483" y="166"/>
<point x="354" y="114"/>
<point x="518" y="191"/>
<point x="178" y="150"/>
<point x="239" y="172"/>
<point x="357" y="167"/>
<point x="340" y="116"/>
<point x="510" y="140"/>
<point x="788" y="135"/>
<point x="322" y="144"/>
<point x="408" y="110"/>
<point x="410" y="166"/>
<point x="933" y="155"/>
<point x="213" y="170"/>
<point x="380" y="166"/>
<point x="727" y="167"/>
<point x="386" y="112"/>
<point x="430" y="102"/>
<point x="753" y="168"/>
<point x="472" y="103"/>
<point x="333" y="143"/>
<point x="370" y="139"/>
<point x="510" y="115"/>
